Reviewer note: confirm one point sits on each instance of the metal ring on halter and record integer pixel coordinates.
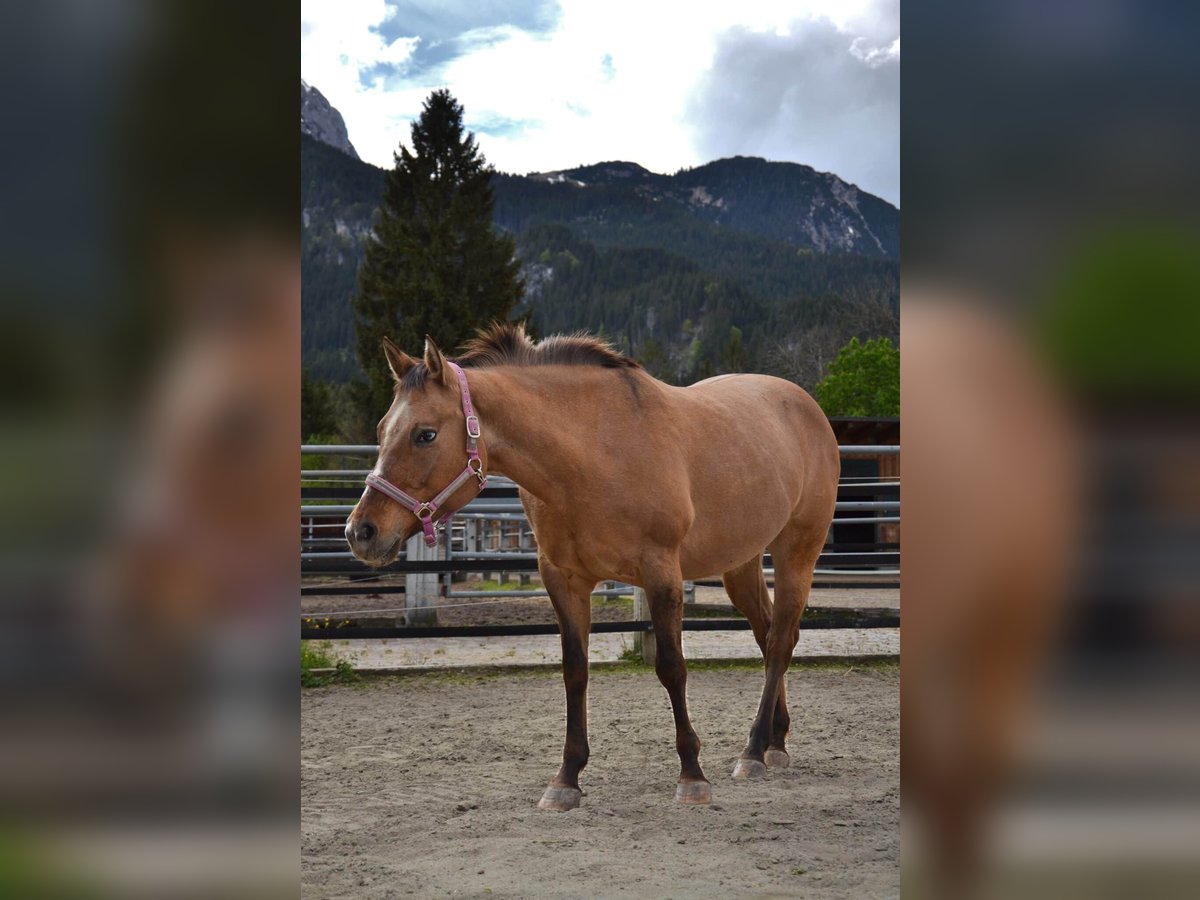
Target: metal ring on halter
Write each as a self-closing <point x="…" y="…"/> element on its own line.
<point x="477" y="469"/>
<point x="425" y="511"/>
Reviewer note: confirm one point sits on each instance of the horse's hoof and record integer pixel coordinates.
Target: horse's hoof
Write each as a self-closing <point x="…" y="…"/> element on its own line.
<point x="749" y="768"/>
<point x="560" y="799"/>
<point x="693" y="792"/>
<point x="777" y="759"/>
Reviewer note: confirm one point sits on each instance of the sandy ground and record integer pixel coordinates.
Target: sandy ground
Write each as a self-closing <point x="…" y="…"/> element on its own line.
<point x="426" y="785"/>
<point x="535" y="650"/>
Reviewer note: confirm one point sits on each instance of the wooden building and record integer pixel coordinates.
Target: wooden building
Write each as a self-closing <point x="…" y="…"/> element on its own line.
<point x="862" y="468"/>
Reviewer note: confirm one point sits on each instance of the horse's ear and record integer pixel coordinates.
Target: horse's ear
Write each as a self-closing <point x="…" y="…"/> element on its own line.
<point x="398" y="361"/>
<point x="434" y="361"/>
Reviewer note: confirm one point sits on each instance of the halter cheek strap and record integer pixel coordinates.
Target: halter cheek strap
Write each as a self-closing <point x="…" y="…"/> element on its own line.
<point x="430" y="512"/>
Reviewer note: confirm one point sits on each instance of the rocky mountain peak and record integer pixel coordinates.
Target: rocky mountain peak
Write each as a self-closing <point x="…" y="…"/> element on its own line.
<point x="318" y="119"/>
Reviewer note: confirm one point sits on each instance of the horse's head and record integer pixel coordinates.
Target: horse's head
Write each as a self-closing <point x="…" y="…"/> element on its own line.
<point x="423" y="448"/>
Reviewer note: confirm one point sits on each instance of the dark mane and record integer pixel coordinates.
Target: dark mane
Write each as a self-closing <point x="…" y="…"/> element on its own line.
<point x="506" y="344"/>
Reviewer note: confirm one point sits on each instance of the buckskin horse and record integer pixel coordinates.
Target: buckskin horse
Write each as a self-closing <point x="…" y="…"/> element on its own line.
<point x="622" y="477"/>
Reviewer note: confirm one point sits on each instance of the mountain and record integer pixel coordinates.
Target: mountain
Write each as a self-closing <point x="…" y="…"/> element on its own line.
<point x="737" y="264"/>
<point x="783" y="201"/>
<point x="320" y="120"/>
<point x="338" y="197"/>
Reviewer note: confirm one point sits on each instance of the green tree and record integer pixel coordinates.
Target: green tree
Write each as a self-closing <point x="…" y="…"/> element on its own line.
<point x="436" y="265"/>
<point x="864" y="380"/>
<point x="317" y="410"/>
<point x="656" y="360"/>
<point x="733" y="356"/>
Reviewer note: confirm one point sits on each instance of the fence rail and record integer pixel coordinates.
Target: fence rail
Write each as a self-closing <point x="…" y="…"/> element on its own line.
<point x="329" y="569"/>
<point x="373" y="449"/>
<point x="859" y="618"/>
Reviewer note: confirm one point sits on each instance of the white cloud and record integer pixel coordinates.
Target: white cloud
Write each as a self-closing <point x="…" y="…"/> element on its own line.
<point x="336" y="43"/>
<point x="861" y="49"/>
<point x="614" y="80"/>
<point x="820" y="95"/>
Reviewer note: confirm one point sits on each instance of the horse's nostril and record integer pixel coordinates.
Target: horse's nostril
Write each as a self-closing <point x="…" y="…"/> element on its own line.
<point x="361" y="533"/>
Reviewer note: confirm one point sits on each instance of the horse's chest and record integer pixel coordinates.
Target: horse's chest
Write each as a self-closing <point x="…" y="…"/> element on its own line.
<point x="571" y="542"/>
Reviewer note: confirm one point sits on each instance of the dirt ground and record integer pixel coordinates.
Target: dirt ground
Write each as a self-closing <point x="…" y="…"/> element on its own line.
<point x="426" y="785"/>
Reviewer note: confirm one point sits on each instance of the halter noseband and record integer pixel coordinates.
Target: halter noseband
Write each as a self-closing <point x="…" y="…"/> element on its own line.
<point x="430" y="512"/>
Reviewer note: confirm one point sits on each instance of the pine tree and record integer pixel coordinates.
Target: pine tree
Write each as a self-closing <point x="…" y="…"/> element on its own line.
<point x="436" y="266"/>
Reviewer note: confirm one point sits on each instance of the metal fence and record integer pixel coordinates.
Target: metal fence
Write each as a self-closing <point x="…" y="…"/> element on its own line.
<point x="492" y="535"/>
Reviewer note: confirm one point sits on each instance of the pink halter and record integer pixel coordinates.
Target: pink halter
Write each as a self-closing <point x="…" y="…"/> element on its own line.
<point x="430" y="512"/>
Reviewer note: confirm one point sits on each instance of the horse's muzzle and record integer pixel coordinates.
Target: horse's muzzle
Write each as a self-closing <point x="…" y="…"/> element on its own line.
<point x="370" y="545"/>
<point x="360" y="533"/>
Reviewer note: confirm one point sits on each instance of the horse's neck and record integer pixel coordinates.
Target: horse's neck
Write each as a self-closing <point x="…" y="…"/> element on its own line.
<point x="532" y="427"/>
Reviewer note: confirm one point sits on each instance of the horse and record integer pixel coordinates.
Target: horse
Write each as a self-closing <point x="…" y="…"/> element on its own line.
<point x="199" y="535"/>
<point x="622" y="477"/>
<point x="993" y="451"/>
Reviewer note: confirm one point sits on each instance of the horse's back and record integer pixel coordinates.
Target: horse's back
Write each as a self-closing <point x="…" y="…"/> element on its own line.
<point x="763" y="408"/>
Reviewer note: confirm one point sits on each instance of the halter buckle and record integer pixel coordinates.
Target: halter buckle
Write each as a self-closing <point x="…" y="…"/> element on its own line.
<point x="473" y="431"/>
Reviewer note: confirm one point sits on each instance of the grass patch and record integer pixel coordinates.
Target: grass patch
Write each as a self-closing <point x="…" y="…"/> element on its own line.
<point x="29" y="868"/>
<point x="621" y="602"/>
<point x="630" y="654"/>
<point x="502" y="586"/>
<point x="320" y="666"/>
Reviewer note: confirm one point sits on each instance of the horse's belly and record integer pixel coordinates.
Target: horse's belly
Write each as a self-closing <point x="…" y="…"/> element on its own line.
<point x="713" y="547"/>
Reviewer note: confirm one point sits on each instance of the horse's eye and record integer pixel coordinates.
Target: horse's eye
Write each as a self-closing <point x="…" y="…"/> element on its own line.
<point x="425" y="436"/>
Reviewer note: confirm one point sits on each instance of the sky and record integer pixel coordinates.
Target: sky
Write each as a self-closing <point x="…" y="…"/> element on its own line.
<point x="554" y="84"/>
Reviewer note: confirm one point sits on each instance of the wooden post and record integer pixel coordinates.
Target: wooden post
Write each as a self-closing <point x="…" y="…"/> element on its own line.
<point x="524" y="576"/>
<point x="421" y="590"/>
<point x="643" y="641"/>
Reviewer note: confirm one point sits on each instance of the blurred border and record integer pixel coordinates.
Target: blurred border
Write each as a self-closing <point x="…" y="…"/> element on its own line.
<point x="149" y="271"/>
<point x="1051" y="273"/>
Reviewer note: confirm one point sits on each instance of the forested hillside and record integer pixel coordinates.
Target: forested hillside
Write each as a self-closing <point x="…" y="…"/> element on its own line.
<point x="740" y="264"/>
<point x="338" y="196"/>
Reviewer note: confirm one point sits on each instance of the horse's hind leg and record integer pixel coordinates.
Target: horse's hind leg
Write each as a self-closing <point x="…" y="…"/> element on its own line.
<point x="747" y="589"/>
<point x="664" y="591"/>
<point x="795" y="552"/>
<point x="572" y="600"/>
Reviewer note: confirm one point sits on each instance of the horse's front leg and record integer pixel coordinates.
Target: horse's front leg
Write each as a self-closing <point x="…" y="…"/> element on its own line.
<point x="572" y="600"/>
<point x="664" y="592"/>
